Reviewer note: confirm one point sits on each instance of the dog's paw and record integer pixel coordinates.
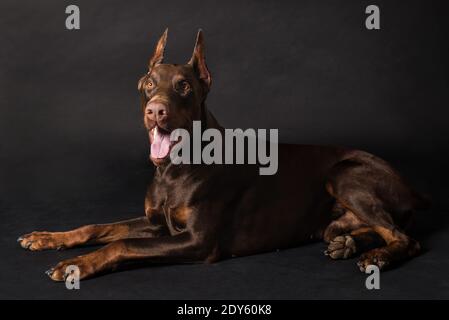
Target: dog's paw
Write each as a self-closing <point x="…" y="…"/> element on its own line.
<point x="61" y="271"/>
<point x="341" y="247"/>
<point x="43" y="240"/>
<point x="378" y="257"/>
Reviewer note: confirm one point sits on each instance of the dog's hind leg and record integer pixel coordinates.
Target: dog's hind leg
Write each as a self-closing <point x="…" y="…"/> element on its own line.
<point x="345" y="222"/>
<point x="398" y="247"/>
<point x="386" y="243"/>
<point x="377" y="196"/>
<point x="90" y="234"/>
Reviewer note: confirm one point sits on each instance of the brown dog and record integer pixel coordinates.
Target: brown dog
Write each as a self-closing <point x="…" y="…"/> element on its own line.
<point x="202" y="213"/>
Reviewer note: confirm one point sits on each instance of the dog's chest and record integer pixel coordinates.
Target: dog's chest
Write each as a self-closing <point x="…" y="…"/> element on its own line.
<point x="166" y="206"/>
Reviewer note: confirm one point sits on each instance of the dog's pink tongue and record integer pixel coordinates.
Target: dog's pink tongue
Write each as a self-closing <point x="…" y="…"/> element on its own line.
<point x="161" y="144"/>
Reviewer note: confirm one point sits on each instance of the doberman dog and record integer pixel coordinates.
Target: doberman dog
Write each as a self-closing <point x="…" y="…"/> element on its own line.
<point x="352" y="200"/>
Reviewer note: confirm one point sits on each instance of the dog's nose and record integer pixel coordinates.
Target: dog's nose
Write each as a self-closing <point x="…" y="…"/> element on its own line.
<point x="157" y="111"/>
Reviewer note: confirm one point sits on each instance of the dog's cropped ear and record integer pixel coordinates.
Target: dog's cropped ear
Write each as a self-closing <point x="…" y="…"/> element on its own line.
<point x="198" y="61"/>
<point x="158" y="55"/>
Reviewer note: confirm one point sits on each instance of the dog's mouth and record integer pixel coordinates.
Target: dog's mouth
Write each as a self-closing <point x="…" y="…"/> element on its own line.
<point x="160" y="144"/>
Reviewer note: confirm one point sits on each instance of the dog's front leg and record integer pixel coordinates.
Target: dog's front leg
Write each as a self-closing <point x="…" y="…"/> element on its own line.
<point x="91" y="234"/>
<point x="182" y="248"/>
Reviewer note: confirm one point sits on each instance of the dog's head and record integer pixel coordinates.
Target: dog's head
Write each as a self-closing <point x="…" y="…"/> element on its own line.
<point x="173" y="96"/>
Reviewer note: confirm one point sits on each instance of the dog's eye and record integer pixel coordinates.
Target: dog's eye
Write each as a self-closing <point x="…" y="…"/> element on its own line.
<point x="150" y="84"/>
<point x="183" y="86"/>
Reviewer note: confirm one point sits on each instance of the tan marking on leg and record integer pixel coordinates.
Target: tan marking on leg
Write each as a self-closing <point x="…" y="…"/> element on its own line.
<point x="182" y="214"/>
<point x="361" y="230"/>
<point x="148" y="207"/>
<point x="344" y="224"/>
<point x="390" y="235"/>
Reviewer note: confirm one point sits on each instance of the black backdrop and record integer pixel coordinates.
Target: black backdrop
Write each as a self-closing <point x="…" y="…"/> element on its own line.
<point x="72" y="144"/>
